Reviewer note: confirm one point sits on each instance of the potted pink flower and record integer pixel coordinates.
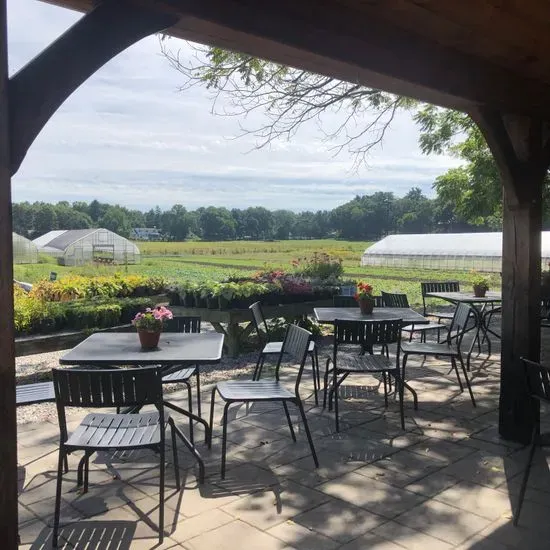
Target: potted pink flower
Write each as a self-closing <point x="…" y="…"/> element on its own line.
<point x="149" y="324"/>
<point x="364" y="297"/>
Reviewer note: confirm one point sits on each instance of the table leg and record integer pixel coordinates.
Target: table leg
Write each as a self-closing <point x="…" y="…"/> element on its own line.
<point x="233" y="334"/>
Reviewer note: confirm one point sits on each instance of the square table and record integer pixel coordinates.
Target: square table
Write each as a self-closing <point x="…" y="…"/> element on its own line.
<point x="478" y="309"/>
<point x="108" y="349"/>
<point x="329" y="314"/>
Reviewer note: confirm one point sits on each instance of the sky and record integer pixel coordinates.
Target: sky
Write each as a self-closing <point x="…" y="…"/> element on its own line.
<point x="128" y="136"/>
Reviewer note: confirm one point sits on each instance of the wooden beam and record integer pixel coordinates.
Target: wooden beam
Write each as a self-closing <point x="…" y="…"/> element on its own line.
<point x="384" y="55"/>
<point x="40" y="87"/>
<point x="8" y="425"/>
<point x="522" y="155"/>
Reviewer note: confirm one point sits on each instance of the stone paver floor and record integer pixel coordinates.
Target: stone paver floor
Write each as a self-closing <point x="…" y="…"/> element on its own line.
<point x="446" y="482"/>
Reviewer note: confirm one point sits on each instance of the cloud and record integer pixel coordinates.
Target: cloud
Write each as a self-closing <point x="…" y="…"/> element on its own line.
<point x="127" y="136"/>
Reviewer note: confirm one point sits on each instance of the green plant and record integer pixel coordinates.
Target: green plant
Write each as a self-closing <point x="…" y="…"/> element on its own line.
<point x="364" y="291"/>
<point x="480" y="281"/>
<point x="320" y="265"/>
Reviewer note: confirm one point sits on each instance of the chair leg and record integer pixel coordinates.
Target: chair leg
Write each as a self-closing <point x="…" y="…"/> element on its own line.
<point x="521" y="495"/>
<point x="257" y="367"/>
<point x="175" y="453"/>
<point x="224" y="438"/>
<point x="198" y="379"/>
<point x="455" y="368"/>
<point x="161" y="488"/>
<point x="326" y="375"/>
<point x="66" y="464"/>
<point x="315" y="387"/>
<point x="190" y="407"/>
<point x="292" y="434"/>
<point x="212" y="399"/>
<point x="467" y="381"/>
<point x="308" y="433"/>
<point x="315" y="351"/>
<point x="57" y="512"/>
<point x="385" y="379"/>
<point x="262" y="362"/>
<point x="401" y="389"/>
<point x="335" y="394"/>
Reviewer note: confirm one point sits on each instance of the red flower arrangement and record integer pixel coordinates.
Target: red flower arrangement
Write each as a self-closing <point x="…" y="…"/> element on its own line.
<point x="364" y="292"/>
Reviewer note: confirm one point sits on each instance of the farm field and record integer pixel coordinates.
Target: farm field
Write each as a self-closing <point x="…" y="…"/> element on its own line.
<point x="199" y="260"/>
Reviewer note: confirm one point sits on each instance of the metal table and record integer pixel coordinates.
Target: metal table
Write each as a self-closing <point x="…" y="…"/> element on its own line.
<point x="479" y="306"/>
<point x="329" y="314"/>
<point x="108" y="349"/>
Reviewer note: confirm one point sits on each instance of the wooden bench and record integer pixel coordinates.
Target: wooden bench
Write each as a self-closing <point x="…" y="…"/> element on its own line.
<point x="29" y="394"/>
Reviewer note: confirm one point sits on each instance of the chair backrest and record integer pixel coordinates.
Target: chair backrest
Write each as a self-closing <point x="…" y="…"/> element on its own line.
<point x="537" y="378"/>
<point x="366" y="333"/>
<point x="437" y="286"/>
<point x="350" y="301"/>
<point x="187" y="324"/>
<point x="459" y="324"/>
<point x="259" y="322"/>
<point x="295" y="347"/>
<point x="395" y="300"/>
<point x="106" y="388"/>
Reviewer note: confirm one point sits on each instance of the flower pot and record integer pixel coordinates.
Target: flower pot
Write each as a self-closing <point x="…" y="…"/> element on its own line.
<point x="366" y="305"/>
<point x="188" y="300"/>
<point x="199" y="300"/>
<point x="223" y="303"/>
<point x="212" y="302"/>
<point x="149" y="339"/>
<point x="479" y="291"/>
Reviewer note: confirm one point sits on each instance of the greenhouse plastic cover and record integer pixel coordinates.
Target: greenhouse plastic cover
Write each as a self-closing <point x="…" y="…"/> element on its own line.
<point x="447" y="244"/>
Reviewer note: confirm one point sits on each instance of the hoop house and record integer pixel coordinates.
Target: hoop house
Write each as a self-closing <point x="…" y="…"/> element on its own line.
<point x="24" y="250"/>
<point x="82" y="246"/>
<point x="453" y="251"/>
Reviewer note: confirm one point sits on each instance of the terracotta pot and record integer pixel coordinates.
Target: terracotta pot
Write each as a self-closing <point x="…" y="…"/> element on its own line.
<point x="366" y="305"/>
<point x="149" y="339"/>
<point x="479" y="291"/>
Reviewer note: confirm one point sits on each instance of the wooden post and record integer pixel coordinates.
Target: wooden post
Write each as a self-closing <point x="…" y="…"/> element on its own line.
<point x="521" y="149"/>
<point x="8" y="426"/>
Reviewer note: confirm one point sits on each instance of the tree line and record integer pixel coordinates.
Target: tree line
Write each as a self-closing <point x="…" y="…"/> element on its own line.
<point x="366" y="217"/>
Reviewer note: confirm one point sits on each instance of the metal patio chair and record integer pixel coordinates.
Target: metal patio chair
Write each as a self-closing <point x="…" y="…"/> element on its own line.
<point x="274" y="348"/>
<point x="102" y="388"/>
<point x="450" y="348"/>
<point x="401" y="300"/>
<point x="438" y="286"/>
<point x="365" y="334"/>
<point x="182" y="374"/>
<point x="537" y="380"/>
<point x="295" y="347"/>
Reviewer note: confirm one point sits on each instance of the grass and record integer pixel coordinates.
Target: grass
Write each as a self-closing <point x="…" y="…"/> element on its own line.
<point x="197" y="260"/>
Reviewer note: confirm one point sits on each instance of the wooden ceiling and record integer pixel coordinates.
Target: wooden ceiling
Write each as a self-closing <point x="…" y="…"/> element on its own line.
<point x="456" y="53"/>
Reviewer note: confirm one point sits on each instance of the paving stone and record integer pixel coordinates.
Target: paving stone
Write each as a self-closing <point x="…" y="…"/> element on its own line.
<point x="442" y="521"/>
<point x="339" y="521"/>
<point x="372" y="542"/>
<point x="233" y="534"/>
<point x="197" y="525"/>
<point x="441" y="449"/>
<point x="301" y="537"/>
<point x="373" y="495"/>
<point x="268" y="508"/>
<point x="432" y="485"/>
<point x="408" y="538"/>
<point x="483" y="501"/>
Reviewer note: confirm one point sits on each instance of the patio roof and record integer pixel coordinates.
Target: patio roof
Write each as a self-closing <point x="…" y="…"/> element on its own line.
<point x="440" y="51"/>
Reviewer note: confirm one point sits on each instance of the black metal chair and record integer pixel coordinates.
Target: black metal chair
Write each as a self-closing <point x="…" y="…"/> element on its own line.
<point x="401" y="300"/>
<point x="182" y="374"/>
<point x="438" y="286"/>
<point x="102" y="388"/>
<point x="295" y="347"/>
<point x="274" y="348"/>
<point x="365" y="334"/>
<point x="450" y="348"/>
<point x="350" y="301"/>
<point x="537" y="380"/>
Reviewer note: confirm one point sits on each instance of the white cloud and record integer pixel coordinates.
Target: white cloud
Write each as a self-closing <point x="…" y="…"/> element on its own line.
<point x="128" y="136"/>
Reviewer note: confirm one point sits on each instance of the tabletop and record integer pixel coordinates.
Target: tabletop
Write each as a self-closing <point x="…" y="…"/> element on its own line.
<point x="329" y="314"/>
<point x="467" y="297"/>
<point x="123" y="348"/>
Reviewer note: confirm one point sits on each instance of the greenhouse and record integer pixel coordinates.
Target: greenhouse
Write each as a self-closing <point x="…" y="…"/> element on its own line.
<point x="453" y="251"/>
<point x="83" y="246"/>
<point x="24" y="250"/>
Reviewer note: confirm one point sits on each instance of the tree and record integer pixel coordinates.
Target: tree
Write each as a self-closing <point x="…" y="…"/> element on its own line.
<point x="176" y="222"/>
<point x="216" y="224"/>
<point x="23" y="218"/>
<point x="289" y="97"/>
<point x="116" y="219"/>
<point x="45" y="218"/>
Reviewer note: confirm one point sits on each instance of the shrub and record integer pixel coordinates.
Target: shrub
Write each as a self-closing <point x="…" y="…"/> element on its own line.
<point x="319" y="266"/>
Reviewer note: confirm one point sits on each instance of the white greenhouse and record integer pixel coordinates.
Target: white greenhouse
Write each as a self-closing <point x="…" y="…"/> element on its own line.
<point x="453" y="251"/>
<point x="24" y="250"/>
<point x="82" y="246"/>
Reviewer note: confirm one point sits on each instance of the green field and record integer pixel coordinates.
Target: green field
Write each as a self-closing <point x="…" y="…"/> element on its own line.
<point x="199" y="260"/>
